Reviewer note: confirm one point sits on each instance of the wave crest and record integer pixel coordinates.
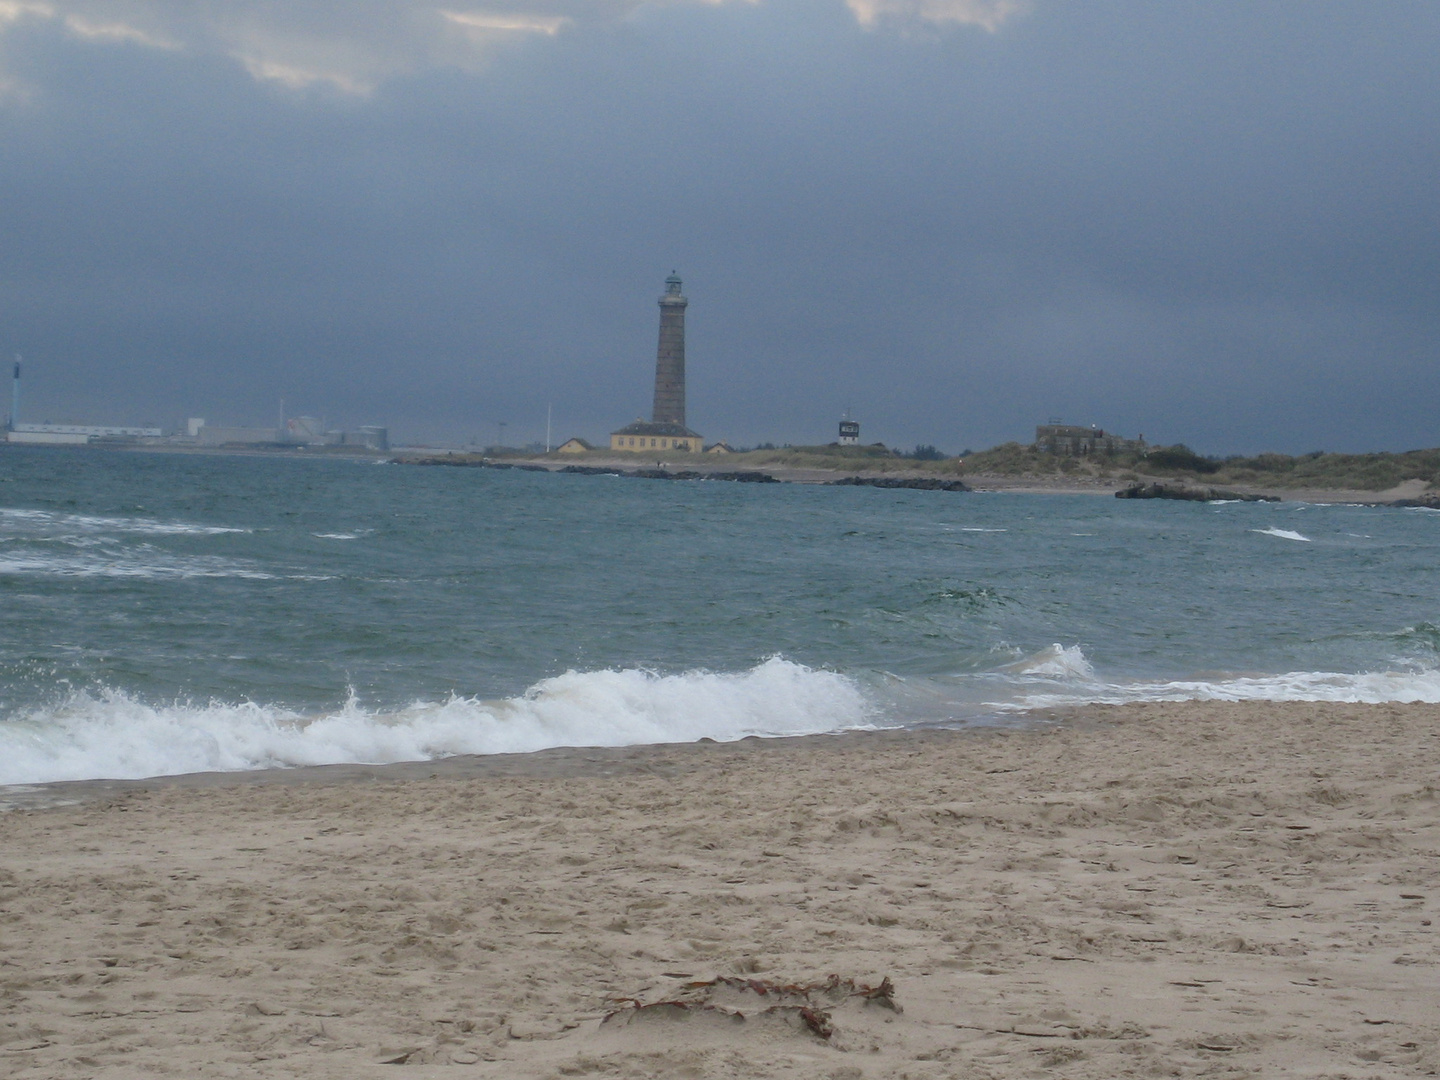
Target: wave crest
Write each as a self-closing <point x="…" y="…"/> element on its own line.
<point x="1054" y="662"/>
<point x="1283" y="534"/>
<point x="1373" y="688"/>
<point x="113" y="735"/>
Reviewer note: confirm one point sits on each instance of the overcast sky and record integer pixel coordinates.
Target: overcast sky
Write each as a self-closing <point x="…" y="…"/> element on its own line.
<point x="1214" y="223"/>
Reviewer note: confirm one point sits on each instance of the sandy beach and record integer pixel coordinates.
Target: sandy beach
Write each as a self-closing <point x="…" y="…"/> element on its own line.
<point x="1159" y="890"/>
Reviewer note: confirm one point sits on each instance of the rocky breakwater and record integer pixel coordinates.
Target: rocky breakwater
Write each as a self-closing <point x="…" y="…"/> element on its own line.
<point x="680" y="474"/>
<point x="690" y="474"/>
<point x="916" y="483"/>
<point x="744" y="477"/>
<point x="1429" y="501"/>
<point x="468" y="461"/>
<point x="1186" y="493"/>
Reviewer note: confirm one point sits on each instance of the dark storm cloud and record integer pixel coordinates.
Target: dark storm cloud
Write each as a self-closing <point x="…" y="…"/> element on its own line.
<point x="1209" y="223"/>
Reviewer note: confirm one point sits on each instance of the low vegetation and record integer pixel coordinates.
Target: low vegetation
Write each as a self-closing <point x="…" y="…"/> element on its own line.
<point x="1318" y="470"/>
<point x="1361" y="472"/>
<point x="875" y="458"/>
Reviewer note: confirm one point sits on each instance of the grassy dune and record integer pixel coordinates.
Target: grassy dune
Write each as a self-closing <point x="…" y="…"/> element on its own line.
<point x="1319" y="470"/>
<point x="875" y="459"/>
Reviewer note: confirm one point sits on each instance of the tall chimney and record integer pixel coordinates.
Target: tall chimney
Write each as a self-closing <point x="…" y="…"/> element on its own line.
<point x="15" y="397"/>
<point x="670" y="357"/>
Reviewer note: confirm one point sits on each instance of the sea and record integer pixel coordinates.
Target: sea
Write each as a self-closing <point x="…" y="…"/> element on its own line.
<point x="178" y="613"/>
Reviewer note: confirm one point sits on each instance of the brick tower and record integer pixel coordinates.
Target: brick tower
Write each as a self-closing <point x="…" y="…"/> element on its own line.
<point x="666" y="429"/>
<point x="670" y="357"/>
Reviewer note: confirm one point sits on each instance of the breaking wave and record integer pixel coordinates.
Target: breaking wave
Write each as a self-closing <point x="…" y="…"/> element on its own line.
<point x="1055" y="662"/>
<point x="1283" y="534"/>
<point x="114" y="735"/>
<point x="1375" y="687"/>
<point x="1058" y="677"/>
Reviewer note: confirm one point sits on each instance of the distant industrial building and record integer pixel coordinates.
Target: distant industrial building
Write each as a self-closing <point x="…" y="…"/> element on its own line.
<point x="1074" y="440"/>
<point x="14" y="417"/>
<point x="666" y="428"/>
<point x="67" y="434"/>
<point x="308" y="431"/>
<point x="297" y="431"/>
<point x="79" y="434"/>
<point x="225" y="435"/>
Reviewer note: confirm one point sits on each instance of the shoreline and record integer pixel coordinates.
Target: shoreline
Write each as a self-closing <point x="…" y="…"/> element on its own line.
<point x="1167" y="888"/>
<point x="978" y="482"/>
<point x="551" y="763"/>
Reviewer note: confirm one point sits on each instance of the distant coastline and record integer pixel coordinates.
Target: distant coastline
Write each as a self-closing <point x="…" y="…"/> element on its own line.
<point x="805" y="470"/>
<point x="1367" y="479"/>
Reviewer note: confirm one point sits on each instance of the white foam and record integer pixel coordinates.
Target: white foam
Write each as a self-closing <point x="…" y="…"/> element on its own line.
<point x="112" y="734"/>
<point x="154" y="565"/>
<point x="31" y="521"/>
<point x="1376" y="687"/>
<point x="1054" y="662"/>
<point x="335" y="536"/>
<point x="1283" y="534"/>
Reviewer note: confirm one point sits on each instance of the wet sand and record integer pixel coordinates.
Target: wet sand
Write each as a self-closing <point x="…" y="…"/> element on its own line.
<point x="1159" y="890"/>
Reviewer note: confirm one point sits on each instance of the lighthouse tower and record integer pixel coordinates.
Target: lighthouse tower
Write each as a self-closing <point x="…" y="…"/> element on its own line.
<point x="666" y="428"/>
<point x="670" y="356"/>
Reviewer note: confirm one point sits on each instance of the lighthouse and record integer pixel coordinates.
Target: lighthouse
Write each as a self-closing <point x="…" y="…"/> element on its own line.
<point x="666" y="428"/>
<point x="670" y="356"/>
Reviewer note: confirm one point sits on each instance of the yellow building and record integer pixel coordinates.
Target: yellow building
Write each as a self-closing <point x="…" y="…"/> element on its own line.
<point x="642" y="437"/>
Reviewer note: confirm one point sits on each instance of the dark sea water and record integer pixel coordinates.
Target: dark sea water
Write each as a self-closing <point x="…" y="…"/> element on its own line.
<point x="177" y="613"/>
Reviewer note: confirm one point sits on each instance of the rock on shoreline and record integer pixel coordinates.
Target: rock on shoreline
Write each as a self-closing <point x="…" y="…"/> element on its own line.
<point x="690" y="474"/>
<point x="748" y="477"/>
<point x="919" y="483"/>
<point x="1185" y="493"/>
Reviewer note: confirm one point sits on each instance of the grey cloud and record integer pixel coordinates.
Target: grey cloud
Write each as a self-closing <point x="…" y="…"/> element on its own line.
<point x="1211" y="224"/>
<point x="356" y="48"/>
